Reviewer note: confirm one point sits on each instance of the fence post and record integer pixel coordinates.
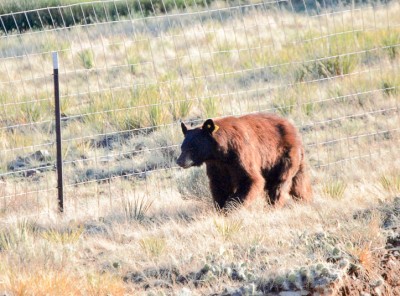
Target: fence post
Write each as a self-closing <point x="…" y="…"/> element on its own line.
<point x="58" y="134"/>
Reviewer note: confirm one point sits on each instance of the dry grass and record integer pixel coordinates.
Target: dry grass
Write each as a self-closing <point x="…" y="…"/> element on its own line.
<point x="96" y="250"/>
<point x="60" y="283"/>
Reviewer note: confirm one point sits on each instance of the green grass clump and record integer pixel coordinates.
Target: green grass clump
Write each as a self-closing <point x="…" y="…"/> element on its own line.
<point x="390" y="85"/>
<point x="211" y="107"/>
<point x="390" y="43"/>
<point x="309" y="108"/>
<point x="285" y="105"/>
<point x="134" y="65"/>
<point x="228" y="228"/>
<point x="390" y="182"/>
<point x="156" y="114"/>
<point x="12" y="237"/>
<point x="34" y="112"/>
<point x="86" y="58"/>
<point x="326" y="67"/>
<point x="335" y="188"/>
<point x="136" y="208"/>
<point x="64" y="236"/>
<point x="153" y="246"/>
<point x="55" y="43"/>
<point x="286" y="100"/>
<point x="181" y="109"/>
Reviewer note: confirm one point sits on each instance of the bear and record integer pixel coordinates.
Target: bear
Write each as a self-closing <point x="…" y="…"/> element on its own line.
<point x="248" y="156"/>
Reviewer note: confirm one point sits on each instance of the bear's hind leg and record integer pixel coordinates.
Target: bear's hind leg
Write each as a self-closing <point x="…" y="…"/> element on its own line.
<point x="280" y="184"/>
<point x="278" y="192"/>
<point x="301" y="185"/>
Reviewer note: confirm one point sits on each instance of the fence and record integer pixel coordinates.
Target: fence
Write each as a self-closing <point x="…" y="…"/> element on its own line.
<point x="130" y="71"/>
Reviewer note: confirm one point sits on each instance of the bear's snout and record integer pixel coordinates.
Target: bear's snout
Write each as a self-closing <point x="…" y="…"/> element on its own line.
<point x="183" y="161"/>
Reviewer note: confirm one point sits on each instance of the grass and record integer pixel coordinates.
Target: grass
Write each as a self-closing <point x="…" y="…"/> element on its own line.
<point x="228" y="229"/>
<point x="153" y="247"/>
<point x="390" y="42"/>
<point x="61" y="283"/>
<point x="211" y="107"/>
<point x="137" y="208"/>
<point x="181" y="238"/>
<point x="86" y="58"/>
<point x="285" y="102"/>
<point x="335" y="188"/>
<point x="188" y="235"/>
<point x="391" y="182"/>
<point x="67" y="236"/>
<point x="11" y="238"/>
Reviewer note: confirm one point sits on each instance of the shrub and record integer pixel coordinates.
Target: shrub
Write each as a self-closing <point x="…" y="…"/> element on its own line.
<point x="193" y="183"/>
<point x="86" y="58"/>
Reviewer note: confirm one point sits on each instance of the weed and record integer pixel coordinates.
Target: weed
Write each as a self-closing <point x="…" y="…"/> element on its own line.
<point x="334" y="188"/>
<point x="390" y="85"/>
<point x="133" y="63"/>
<point x="55" y="43"/>
<point x="10" y="238"/>
<point x="130" y="119"/>
<point x="153" y="246"/>
<point x="338" y="92"/>
<point x="390" y="42"/>
<point x="49" y="282"/>
<point x="83" y="147"/>
<point x="228" y="228"/>
<point x="65" y="236"/>
<point x="104" y="284"/>
<point x="210" y="107"/>
<point x="285" y="102"/>
<point x="330" y="67"/>
<point x="225" y="48"/>
<point x="136" y="208"/>
<point x="86" y="57"/>
<point x="309" y="108"/>
<point x="33" y="112"/>
<point x="181" y="109"/>
<point x="391" y="182"/>
<point x="388" y="89"/>
<point x="156" y="115"/>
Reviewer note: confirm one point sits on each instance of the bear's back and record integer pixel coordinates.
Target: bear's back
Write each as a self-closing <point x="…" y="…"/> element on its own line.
<point x="261" y="135"/>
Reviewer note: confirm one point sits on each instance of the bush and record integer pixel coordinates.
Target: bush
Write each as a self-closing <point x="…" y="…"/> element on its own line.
<point x="48" y="13"/>
<point x="194" y="184"/>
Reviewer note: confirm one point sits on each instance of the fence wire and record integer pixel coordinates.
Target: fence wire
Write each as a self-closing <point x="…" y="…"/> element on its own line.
<point x="131" y="70"/>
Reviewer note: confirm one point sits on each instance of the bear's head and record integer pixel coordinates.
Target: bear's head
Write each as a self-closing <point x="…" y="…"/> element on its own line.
<point x="198" y="145"/>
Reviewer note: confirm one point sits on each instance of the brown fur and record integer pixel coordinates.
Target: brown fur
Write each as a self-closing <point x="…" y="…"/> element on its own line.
<point x="256" y="153"/>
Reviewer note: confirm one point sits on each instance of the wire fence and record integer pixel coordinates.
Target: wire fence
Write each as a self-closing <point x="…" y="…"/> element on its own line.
<point x="131" y="70"/>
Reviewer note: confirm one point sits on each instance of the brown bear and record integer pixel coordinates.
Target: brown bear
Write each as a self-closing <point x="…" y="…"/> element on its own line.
<point x="247" y="155"/>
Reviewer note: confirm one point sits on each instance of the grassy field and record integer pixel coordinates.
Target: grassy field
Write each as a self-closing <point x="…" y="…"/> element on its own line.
<point x="135" y="224"/>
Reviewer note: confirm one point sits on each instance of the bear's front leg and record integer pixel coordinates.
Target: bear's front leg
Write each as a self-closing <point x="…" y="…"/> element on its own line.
<point x="250" y="186"/>
<point x="220" y="185"/>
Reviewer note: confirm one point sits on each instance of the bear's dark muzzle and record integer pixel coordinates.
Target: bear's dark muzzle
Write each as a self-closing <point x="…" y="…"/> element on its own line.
<point x="183" y="162"/>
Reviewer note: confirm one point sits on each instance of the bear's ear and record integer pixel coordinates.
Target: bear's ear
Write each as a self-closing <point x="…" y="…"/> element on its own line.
<point x="210" y="126"/>
<point x="184" y="128"/>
